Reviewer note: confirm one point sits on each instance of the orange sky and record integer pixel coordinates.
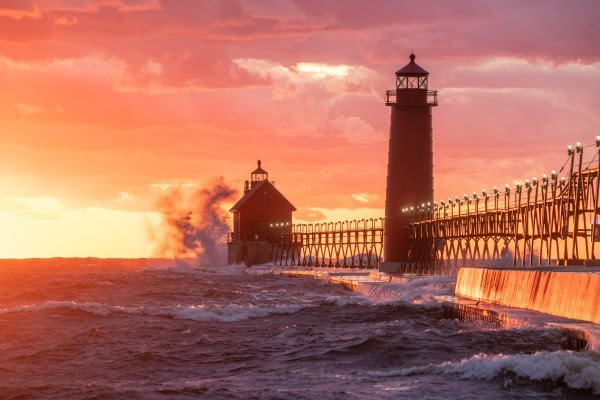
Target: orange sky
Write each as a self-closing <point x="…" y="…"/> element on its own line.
<point x="104" y="104"/>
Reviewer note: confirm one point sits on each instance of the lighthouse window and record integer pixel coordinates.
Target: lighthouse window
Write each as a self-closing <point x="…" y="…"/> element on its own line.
<point x="402" y="82"/>
<point x="412" y="82"/>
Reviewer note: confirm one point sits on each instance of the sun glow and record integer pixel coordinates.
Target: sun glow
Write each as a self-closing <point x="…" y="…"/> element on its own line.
<point x="322" y="70"/>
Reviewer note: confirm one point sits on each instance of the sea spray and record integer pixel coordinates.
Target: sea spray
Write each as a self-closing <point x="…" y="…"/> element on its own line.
<point x="194" y="225"/>
<point x="415" y="290"/>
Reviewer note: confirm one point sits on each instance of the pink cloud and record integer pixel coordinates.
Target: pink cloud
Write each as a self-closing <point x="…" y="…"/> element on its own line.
<point x="110" y="97"/>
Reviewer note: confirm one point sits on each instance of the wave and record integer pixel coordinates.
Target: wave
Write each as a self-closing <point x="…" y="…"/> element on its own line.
<point x="415" y="291"/>
<point x="206" y="313"/>
<point x="576" y="370"/>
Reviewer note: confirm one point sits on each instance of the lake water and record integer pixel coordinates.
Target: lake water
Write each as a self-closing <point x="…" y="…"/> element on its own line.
<point x="83" y="330"/>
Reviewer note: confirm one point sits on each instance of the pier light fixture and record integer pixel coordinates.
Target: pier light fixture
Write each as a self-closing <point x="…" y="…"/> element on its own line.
<point x="456" y="199"/>
<point x="570" y="150"/>
<point x="271" y="225"/>
<point x="535" y="181"/>
<point x="474" y="194"/>
<point x="579" y="148"/>
<point x="495" y="189"/>
<point x="428" y="204"/>
<point x="465" y="197"/>
<point x="506" y="189"/>
<point x="563" y="181"/>
<point x="553" y="175"/>
<point x="545" y="180"/>
<point x="411" y="209"/>
<point x="597" y="141"/>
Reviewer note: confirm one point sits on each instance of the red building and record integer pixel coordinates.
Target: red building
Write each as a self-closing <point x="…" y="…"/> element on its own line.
<point x="410" y="156"/>
<point x="262" y="212"/>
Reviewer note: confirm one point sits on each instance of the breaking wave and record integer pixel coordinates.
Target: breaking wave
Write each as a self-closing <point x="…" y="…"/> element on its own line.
<point x="207" y="313"/>
<point x="415" y="291"/>
<point x="576" y="370"/>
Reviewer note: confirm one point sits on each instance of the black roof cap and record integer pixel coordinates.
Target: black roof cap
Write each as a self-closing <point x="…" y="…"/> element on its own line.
<point x="412" y="68"/>
<point x="259" y="170"/>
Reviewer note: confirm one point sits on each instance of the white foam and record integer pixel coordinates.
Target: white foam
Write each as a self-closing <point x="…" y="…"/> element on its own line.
<point x="226" y="313"/>
<point x="576" y="370"/>
<point x="415" y="291"/>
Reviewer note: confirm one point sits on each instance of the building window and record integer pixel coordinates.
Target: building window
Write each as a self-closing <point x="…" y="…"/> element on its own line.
<point x="266" y="198"/>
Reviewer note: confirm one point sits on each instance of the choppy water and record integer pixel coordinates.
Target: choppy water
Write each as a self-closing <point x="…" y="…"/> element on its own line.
<point x="173" y="333"/>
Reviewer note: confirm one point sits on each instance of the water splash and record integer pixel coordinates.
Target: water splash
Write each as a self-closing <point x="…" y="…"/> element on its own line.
<point x="576" y="370"/>
<point x="194" y="225"/>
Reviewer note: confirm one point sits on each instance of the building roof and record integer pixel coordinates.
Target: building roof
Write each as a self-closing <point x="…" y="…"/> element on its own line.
<point x="237" y="206"/>
<point x="259" y="170"/>
<point x="412" y="68"/>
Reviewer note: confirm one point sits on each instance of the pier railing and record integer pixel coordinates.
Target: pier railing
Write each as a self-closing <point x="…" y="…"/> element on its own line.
<point x="553" y="219"/>
<point x="542" y="221"/>
<point x="354" y="244"/>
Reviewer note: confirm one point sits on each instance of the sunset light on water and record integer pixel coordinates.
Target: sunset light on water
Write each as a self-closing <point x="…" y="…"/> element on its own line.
<point x="188" y="187"/>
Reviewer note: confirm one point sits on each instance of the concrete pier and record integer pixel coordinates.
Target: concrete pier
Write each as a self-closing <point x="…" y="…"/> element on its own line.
<point x="569" y="292"/>
<point x="566" y="298"/>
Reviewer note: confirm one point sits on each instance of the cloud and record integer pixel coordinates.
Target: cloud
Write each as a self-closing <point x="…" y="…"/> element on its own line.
<point x="291" y="81"/>
<point x="29" y="109"/>
<point x="365" y="197"/>
<point x="64" y="20"/>
<point x="308" y="215"/>
<point x="36" y="207"/>
<point x="18" y="9"/>
<point x="166" y="186"/>
<point x="354" y="129"/>
<point x="124" y="196"/>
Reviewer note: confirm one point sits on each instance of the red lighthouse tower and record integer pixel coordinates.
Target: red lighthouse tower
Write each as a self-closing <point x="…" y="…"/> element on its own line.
<point x="410" y="156"/>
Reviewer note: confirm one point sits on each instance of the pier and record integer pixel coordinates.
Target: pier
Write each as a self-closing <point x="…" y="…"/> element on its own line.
<point x="525" y="253"/>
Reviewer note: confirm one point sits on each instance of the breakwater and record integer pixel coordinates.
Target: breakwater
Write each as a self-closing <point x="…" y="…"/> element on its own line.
<point x="566" y="292"/>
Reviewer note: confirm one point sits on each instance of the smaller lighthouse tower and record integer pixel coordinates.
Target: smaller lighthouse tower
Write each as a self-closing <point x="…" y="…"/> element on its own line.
<point x="261" y="214"/>
<point x="410" y="157"/>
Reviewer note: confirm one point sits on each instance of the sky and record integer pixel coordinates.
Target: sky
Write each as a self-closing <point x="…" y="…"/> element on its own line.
<point x="107" y="105"/>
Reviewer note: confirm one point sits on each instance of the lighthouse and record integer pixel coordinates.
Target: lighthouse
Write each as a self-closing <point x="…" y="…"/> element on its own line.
<point x="410" y="156"/>
<point x="261" y="214"/>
